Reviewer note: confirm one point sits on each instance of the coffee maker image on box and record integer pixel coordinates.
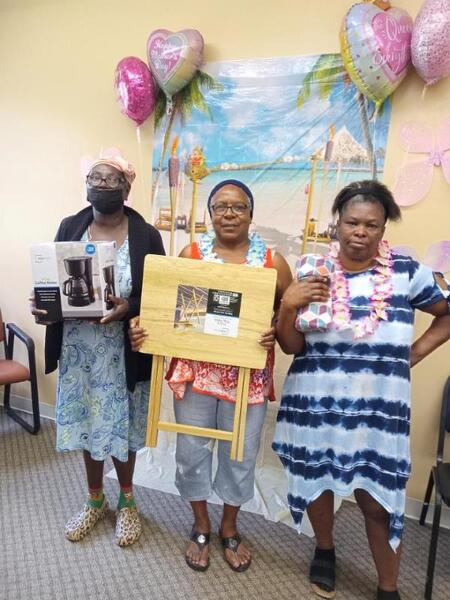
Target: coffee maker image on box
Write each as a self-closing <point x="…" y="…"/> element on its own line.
<point x="108" y="274"/>
<point x="79" y="288"/>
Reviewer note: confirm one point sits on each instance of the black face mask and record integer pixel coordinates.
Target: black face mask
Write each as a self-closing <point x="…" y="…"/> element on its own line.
<point x="106" y="202"/>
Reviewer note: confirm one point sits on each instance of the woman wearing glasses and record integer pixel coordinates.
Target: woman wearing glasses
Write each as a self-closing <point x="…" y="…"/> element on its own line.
<point x="205" y="393"/>
<point x="102" y="390"/>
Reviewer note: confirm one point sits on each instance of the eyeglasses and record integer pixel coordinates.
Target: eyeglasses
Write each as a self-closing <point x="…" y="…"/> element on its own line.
<point x="112" y="181"/>
<point x="221" y="208"/>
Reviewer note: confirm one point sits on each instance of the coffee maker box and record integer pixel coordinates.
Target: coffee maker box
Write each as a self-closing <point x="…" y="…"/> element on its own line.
<point x="73" y="280"/>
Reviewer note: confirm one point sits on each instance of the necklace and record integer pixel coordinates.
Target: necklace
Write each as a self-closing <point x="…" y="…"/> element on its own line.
<point x="382" y="291"/>
<point x="120" y="226"/>
<point x="255" y="255"/>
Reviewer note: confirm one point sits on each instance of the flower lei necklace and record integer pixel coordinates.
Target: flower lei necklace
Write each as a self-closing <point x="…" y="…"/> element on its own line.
<point x="382" y="291"/>
<point x="255" y="255"/>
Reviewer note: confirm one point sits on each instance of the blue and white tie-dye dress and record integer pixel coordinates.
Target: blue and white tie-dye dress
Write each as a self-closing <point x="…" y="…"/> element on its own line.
<point x="343" y="422"/>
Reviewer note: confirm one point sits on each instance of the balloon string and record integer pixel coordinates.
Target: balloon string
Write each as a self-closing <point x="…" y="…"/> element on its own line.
<point x="141" y="165"/>
<point x="169" y="111"/>
<point x="374" y="145"/>
<point x="376" y="113"/>
<point x="424" y="93"/>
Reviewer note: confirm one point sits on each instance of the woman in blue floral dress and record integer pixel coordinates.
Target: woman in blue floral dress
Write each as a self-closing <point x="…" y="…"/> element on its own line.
<point x="102" y="394"/>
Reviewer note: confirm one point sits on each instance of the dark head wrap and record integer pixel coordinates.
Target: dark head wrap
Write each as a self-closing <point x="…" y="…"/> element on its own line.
<point x="236" y="183"/>
<point x="371" y="190"/>
<point x="364" y="190"/>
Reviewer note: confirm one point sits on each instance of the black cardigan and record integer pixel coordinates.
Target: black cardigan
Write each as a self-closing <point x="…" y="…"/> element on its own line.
<point x="142" y="239"/>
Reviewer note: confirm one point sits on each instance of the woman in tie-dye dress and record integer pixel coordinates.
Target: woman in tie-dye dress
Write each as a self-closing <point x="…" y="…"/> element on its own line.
<point x="343" y="423"/>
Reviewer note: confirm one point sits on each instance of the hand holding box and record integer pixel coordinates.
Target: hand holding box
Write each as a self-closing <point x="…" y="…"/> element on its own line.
<point x="74" y="280"/>
<point x="316" y="316"/>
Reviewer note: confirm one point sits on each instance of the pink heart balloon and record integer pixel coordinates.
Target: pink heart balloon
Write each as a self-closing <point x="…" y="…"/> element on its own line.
<point x="174" y="58"/>
<point x="430" y="44"/>
<point x="135" y="89"/>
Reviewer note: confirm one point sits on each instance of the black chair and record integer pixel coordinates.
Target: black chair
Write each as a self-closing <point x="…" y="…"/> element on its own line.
<point x="439" y="477"/>
<point x="12" y="371"/>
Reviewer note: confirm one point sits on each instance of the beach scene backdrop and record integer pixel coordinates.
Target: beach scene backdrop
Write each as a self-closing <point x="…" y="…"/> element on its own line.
<point x="294" y="129"/>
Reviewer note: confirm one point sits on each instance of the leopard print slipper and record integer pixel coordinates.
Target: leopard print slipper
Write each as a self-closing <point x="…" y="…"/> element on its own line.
<point x="128" y="526"/>
<point x="80" y="525"/>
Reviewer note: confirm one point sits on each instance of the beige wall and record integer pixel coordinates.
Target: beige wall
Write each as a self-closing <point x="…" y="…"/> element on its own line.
<point x="57" y="103"/>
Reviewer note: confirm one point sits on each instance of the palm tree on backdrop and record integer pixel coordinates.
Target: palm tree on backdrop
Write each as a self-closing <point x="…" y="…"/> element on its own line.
<point x="184" y="102"/>
<point x="327" y="72"/>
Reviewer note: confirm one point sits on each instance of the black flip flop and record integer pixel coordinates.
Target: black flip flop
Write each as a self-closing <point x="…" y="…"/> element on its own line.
<point x="383" y="595"/>
<point x="232" y="543"/>
<point x="201" y="540"/>
<point x="322" y="573"/>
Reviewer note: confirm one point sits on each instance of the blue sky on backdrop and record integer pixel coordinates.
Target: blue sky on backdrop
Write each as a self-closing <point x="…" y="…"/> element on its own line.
<point x="255" y="117"/>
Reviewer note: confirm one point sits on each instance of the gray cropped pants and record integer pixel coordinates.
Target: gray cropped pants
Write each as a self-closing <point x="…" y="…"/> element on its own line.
<point x="234" y="481"/>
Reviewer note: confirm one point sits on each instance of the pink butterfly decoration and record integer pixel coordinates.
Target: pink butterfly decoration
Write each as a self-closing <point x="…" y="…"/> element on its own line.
<point x="87" y="161"/>
<point x="437" y="256"/>
<point x="415" y="177"/>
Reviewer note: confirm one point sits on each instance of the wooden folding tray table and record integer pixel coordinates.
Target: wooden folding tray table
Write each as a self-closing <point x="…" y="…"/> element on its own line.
<point x="205" y="311"/>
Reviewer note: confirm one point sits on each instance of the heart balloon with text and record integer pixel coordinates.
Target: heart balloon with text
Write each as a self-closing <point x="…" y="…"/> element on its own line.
<point x="376" y="48"/>
<point x="174" y="58"/>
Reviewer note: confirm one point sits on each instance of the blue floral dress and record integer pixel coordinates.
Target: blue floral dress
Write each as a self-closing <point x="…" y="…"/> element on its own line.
<point x="94" y="410"/>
